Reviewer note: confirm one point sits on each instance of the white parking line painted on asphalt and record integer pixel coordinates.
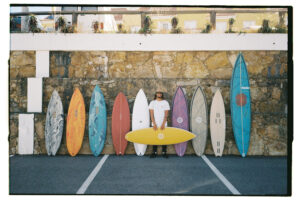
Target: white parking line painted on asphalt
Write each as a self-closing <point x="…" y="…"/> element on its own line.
<point x="11" y="156"/>
<point x="220" y="176"/>
<point x="90" y="178"/>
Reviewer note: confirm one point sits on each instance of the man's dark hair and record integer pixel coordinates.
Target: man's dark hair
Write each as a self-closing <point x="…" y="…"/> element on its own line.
<point x="155" y="96"/>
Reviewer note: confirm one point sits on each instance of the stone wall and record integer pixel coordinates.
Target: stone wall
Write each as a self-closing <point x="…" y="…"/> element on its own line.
<point x="129" y="71"/>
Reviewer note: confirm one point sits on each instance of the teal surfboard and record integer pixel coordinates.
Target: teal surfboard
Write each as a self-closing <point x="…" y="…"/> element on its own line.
<point x="240" y="105"/>
<point x="97" y="121"/>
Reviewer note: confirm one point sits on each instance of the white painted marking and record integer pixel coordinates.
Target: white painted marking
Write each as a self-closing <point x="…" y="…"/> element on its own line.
<point x="11" y="156"/>
<point x="221" y="176"/>
<point x="34" y="95"/>
<point x="245" y="88"/>
<point x="90" y="178"/>
<point x="179" y="120"/>
<point x="42" y="64"/>
<point x="160" y="136"/>
<point x="26" y="134"/>
<point x="198" y="119"/>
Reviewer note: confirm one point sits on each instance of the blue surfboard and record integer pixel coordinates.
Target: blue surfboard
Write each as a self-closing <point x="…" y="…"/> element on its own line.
<point x="240" y="105"/>
<point x="97" y="121"/>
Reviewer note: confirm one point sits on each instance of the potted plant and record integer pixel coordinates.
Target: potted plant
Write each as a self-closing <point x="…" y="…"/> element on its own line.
<point x="147" y="26"/>
<point x="280" y="29"/>
<point x="174" y="23"/>
<point x="13" y="24"/>
<point x="265" y="27"/>
<point x="207" y="29"/>
<point x="120" y="28"/>
<point x="33" y="24"/>
<point x="231" y="22"/>
<point x="62" y="26"/>
<point x="60" y="23"/>
<point x="95" y="27"/>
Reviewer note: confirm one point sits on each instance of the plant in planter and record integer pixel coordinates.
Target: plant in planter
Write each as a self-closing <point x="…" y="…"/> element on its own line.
<point x="280" y="29"/>
<point x="62" y="26"/>
<point x="68" y="29"/>
<point x="231" y="22"/>
<point x="207" y="29"/>
<point x="60" y="23"/>
<point x="95" y="27"/>
<point x="13" y="24"/>
<point x="265" y="27"/>
<point x="33" y="24"/>
<point x="120" y="29"/>
<point x="147" y="26"/>
<point x="174" y="23"/>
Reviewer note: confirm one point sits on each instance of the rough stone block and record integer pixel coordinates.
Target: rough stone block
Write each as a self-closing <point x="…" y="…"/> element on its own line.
<point x="276" y="93"/>
<point x="195" y="70"/>
<point x="219" y="60"/>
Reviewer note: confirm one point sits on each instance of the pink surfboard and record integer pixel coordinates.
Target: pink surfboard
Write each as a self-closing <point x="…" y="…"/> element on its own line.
<point x="120" y="123"/>
<point x="180" y="117"/>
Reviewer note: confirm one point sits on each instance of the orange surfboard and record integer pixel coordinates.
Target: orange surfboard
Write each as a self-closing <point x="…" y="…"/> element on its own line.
<point x="75" y="123"/>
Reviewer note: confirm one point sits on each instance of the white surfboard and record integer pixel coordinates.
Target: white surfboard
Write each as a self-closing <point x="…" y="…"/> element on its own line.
<point x="218" y="124"/>
<point x="140" y="119"/>
<point x="54" y="124"/>
<point x="199" y="121"/>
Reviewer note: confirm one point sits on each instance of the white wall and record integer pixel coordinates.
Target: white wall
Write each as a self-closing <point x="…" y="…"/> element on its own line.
<point x="34" y="95"/>
<point x="140" y="42"/>
<point x="26" y="134"/>
<point x="42" y="63"/>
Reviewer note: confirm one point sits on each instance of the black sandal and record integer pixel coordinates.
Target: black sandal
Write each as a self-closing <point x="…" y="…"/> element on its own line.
<point x="165" y="155"/>
<point x="153" y="155"/>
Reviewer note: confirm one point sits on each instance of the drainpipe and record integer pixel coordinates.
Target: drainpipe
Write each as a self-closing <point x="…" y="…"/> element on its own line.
<point x="142" y="19"/>
<point x="25" y="20"/>
<point x="213" y="19"/>
<point x="74" y="20"/>
<point x="281" y="18"/>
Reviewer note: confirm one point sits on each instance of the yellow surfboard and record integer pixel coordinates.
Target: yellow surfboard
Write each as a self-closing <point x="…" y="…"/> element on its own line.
<point x="75" y="126"/>
<point x="169" y="135"/>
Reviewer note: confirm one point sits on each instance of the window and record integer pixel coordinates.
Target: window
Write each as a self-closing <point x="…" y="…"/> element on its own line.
<point x="132" y="8"/>
<point x="69" y="8"/>
<point x="135" y="29"/>
<point x="221" y="26"/>
<point x="164" y="25"/>
<point x="248" y="24"/>
<point x="89" y="8"/>
<point x="190" y="24"/>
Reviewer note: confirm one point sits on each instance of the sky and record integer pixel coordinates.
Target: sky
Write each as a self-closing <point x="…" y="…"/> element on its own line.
<point x="31" y="8"/>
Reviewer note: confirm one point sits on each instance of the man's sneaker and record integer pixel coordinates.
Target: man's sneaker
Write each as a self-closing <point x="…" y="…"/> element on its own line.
<point x="165" y="155"/>
<point x="153" y="155"/>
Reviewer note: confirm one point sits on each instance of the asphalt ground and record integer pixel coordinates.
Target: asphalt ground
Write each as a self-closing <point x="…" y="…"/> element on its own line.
<point x="131" y="174"/>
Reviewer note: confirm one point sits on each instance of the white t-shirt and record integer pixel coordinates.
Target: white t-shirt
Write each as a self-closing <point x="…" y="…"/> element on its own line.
<point x="159" y="108"/>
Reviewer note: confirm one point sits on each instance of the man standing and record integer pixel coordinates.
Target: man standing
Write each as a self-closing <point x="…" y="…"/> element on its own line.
<point x="159" y="109"/>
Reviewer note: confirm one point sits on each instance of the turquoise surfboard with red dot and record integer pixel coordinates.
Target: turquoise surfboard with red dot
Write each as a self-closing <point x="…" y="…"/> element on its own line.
<point x="240" y="105"/>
